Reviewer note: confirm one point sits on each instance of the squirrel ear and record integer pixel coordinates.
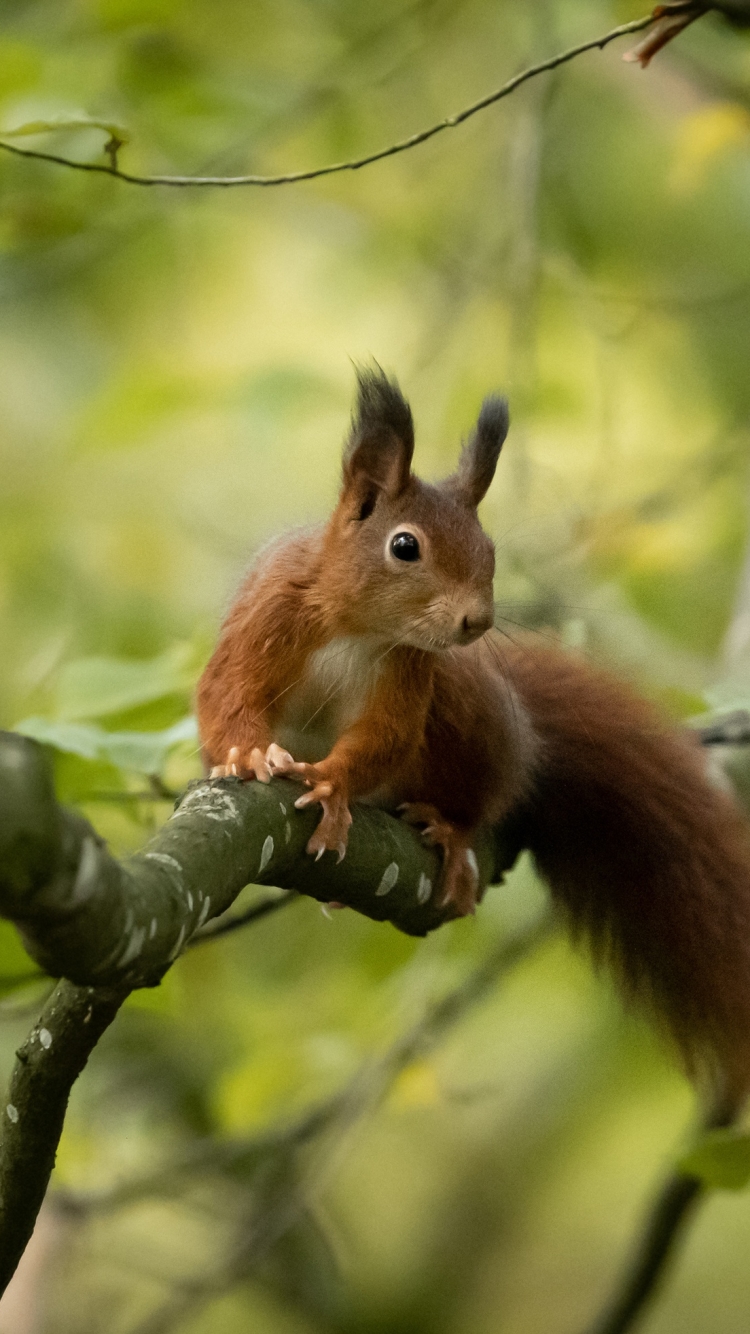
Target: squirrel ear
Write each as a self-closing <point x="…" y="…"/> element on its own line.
<point x="377" y="455"/>
<point x="476" y="466"/>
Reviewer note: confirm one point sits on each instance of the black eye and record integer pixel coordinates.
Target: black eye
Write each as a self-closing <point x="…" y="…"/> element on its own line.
<point x="404" y="546"/>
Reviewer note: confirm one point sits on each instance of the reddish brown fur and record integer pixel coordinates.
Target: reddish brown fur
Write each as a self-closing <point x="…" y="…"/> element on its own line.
<point x="649" y="859"/>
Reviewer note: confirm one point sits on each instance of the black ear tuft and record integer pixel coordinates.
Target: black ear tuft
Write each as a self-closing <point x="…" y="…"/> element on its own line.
<point x="380" y="403"/>
<point x="379" y="450"/>
<point x="476" y="466"/>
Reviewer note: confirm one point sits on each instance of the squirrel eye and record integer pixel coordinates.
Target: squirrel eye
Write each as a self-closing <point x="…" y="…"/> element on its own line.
<point x="404" y="546"/>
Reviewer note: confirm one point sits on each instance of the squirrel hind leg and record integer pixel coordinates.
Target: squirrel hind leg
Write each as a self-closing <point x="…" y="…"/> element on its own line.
<point x="459" y="890"/>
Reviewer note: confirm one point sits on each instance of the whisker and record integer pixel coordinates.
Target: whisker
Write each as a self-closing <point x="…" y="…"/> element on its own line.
<point x="271" y="702"/>
<point x="505" y="673"/>
<point x="286" y="689"/>
<point x="531" y="629"/>
<point x="502" y="631"/>
<point x="340" y="685"/>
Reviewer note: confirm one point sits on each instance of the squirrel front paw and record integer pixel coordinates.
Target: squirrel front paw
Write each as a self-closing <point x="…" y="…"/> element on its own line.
<point x="252" y="765"/>
<point x="332" y="833"/>
<point x="258" y="764"/>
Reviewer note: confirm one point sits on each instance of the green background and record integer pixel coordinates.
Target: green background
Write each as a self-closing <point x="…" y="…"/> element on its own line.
<point x="175" y="379"/>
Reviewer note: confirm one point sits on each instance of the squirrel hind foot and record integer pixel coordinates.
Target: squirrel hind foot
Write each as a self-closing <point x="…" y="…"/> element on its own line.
<point x="459" y="881"/>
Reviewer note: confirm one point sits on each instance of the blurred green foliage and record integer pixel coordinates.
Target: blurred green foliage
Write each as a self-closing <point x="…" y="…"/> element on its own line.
<point x="721" y="1159"/>
<point x="175" y="379"/>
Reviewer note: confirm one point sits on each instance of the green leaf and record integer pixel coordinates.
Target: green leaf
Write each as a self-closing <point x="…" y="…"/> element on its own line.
<point x="721" y="1159"/>
<point x="66" y="124"/>
<point x="77" y="779"/>
<point x="144" y="752"/>
<point x="137" y="401"/>
<point x="94" y="687"/>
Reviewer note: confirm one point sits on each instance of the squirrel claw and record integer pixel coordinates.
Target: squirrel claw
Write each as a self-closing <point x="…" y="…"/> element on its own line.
<point x="235" y="767"/>
<point x="279" y="761"/>
<point x="320" y="792"/>
<point x="257" y="764"/>
<point x="437" y="831"/>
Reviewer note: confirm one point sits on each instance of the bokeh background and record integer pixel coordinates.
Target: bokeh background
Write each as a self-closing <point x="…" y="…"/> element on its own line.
<point x="175" y="378"/>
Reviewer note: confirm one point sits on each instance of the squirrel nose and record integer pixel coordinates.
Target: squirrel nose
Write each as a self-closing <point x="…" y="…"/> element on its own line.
<point x="474" y="625"/>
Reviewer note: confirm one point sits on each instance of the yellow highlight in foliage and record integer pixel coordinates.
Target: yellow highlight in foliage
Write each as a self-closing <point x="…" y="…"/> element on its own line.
<point x="669" y="545"/>
<point x="704" y="136"/>
<point x="416" y="1086"/>
<point x="253" y="1093"/>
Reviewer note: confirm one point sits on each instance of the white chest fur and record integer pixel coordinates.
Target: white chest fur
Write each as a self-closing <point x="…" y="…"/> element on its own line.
<point x="330" y="696"/>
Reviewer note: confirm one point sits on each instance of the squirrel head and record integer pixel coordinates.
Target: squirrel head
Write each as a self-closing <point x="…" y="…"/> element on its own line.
<point x="404" y="560"/>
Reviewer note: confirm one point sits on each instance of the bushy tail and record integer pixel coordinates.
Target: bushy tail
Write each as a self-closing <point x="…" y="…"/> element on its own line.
<point x="646" y="855"/>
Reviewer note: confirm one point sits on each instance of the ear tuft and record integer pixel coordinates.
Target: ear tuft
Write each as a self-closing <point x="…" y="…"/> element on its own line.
<point x="476" y="466"/>
<point x="380" y="403"/>
<point x="379" y="450"/>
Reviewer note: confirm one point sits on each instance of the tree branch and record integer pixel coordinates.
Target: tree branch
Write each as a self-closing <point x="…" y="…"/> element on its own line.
<point x="85" y="916"/>
<point x="46" y="1068"/>
<point x="108" y="927"/>
<point x="354" y="164"/>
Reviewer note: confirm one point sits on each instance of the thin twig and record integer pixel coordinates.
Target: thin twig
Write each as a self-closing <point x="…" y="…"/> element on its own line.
<point x="366" y="1088"/>
<point x="731" y="730"/>
<point x="285" y="1196"/>
<point x="257" y="910"/>
<point x="672" y="1210"/>
<point x="353" y="164"/>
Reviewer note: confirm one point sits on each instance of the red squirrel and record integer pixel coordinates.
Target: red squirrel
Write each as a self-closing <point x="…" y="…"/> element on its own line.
<point x="359" y="658"/>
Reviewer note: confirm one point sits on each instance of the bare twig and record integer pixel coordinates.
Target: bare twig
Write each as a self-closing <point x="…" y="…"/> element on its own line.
<point x="671" y="1212"/>
<point x="252" y="914"/>
<point x="353" y="164"/>
<point x="366" y="1088"/>
<point x="731" y="730"/>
